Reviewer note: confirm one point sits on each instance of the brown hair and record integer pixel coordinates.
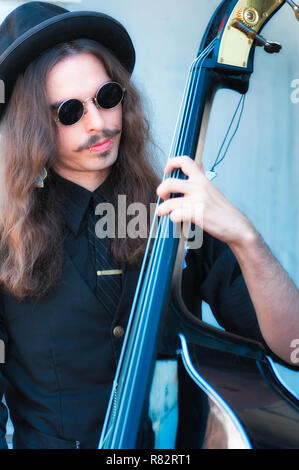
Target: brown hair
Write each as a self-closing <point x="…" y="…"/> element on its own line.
<point x="32" y="228"/>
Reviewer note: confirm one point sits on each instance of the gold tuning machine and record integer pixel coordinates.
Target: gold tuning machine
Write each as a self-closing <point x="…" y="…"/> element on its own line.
<point x="241" y="32"/>
<point x="249" y="16"/>
<point x="270" y="47"/>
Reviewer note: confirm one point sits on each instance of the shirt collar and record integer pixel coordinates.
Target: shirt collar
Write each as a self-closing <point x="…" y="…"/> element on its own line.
<point x="75" y="199"/>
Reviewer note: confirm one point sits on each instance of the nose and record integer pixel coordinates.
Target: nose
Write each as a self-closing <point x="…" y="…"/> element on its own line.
<point x="93" y="117"/>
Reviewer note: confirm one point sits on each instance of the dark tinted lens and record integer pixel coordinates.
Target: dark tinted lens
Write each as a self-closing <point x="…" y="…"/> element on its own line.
<point x="109" y="95"/>
<point x="70" y="112"/>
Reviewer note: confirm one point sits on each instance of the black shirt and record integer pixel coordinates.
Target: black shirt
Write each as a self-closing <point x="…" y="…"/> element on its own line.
<point x="219" y="280"/>
<point x="76" y="203"/>
<point x="62" y="353"/>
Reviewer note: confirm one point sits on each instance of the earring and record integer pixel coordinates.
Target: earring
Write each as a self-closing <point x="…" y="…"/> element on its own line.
<point x="39" y="182"/>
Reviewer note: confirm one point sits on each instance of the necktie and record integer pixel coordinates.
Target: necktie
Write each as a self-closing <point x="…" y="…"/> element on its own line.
<point x="108" y="274"/>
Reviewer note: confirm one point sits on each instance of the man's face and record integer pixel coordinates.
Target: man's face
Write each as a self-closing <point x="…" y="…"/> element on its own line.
<point x="79" y="76"/>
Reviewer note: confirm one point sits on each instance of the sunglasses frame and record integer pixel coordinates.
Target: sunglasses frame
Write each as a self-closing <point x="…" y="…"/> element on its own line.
<point x="94" y="99"/>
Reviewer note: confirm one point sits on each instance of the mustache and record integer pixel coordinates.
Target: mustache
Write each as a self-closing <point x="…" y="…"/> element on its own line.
<point x="95" y="138"/>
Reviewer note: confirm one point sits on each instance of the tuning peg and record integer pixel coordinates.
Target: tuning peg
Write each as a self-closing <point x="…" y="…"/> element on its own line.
<point x="294" y="7"/>
<point x="270" y="47"/>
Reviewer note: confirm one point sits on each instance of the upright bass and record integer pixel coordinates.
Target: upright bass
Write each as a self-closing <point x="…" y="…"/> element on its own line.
<point x="222" y="366"/>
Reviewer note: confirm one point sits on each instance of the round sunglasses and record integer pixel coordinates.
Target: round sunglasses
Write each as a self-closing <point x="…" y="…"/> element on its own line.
<point x="108" y="96"/>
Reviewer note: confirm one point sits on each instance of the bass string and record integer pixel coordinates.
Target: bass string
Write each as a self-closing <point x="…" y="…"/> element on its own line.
<point x="162" y="233"/>
<point x="181" y="139"/>
<point x="183" y="113"/>
<point x="163" y="226"/>
<point x="190" y="93"/>
<point x="180" y="142"/>
<point x="141" y="323"/>
<point x="148" y="269"/>
<point x="143" y="296"/>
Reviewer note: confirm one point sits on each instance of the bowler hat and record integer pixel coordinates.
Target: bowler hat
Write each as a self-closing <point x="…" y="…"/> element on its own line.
<point x="34" y="27"/>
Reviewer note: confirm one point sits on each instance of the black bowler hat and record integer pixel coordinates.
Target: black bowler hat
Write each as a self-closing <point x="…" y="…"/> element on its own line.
<point x="34" y="27"/>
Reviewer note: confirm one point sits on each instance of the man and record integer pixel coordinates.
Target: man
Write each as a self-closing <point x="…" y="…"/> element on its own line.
<point x="74" y="135"/>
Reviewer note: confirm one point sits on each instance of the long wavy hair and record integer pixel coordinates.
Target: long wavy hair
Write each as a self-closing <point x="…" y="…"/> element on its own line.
<point x="32" y="227"/>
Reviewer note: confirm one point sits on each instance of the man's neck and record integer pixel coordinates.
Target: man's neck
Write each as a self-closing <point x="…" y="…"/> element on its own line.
<point x="89" y="180"/>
